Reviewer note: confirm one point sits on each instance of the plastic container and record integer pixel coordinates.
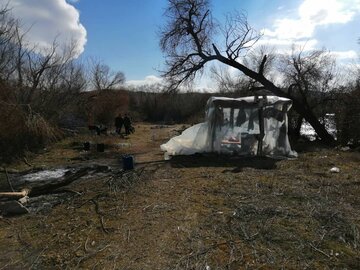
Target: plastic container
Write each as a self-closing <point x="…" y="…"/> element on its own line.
<point x="100" y="147"/>
<point x="167" y="156"/>
<point x="86" y="146"/>
<point x="128" y="162"/>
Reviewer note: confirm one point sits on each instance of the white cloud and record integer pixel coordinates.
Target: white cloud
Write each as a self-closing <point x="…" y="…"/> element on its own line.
<point x="345" y="55"/>
<point x="300" y="27"/>
<point x="290" y="29"/>
<point x="284" y="45"/>
<point x="312" y="14"/>
<point x="49" y="20"/>
<point x="202" y="84"/>
<point x="323" y="12"/>
<point x="149" y="80"/>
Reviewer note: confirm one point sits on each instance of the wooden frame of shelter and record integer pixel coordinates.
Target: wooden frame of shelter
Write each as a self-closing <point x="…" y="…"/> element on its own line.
<point x="259" y="103"/>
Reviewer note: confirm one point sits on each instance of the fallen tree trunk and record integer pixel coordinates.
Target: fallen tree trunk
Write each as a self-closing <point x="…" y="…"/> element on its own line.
<point x="45" y="188"/>
<point x="52" y="186"/>
<point x="11" y="203"/>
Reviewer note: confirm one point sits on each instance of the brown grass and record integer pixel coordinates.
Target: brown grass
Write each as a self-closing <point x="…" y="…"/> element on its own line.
<point x="192" y="212"/>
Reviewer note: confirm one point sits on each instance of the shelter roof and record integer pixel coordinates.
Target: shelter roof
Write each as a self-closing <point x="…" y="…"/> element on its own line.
<point x="243" y="101"/>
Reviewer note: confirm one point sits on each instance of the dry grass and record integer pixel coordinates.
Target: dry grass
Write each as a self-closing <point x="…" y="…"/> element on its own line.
<point x="192" y="212"/>
<point x="22" y="130"/>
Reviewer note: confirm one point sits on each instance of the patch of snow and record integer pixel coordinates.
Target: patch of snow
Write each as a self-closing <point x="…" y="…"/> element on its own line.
<point x="43" y="175"/>
<point x="308" y="131"/>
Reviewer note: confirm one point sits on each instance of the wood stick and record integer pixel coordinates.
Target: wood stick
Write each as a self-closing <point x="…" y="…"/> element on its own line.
<point x="14" y="195"/>
<point x="320" y="251"/>
<point x="12" y="171"/>
<point x="8" y="180"/>
<point x="102" y="225"/>
<point x="27" y="162"/>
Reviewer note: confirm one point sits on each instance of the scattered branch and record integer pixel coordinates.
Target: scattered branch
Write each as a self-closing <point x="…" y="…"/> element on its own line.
<point x="8" y="180"/>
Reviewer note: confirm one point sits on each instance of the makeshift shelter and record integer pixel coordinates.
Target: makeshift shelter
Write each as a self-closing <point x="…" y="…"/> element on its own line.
<point x="255" y="125"/>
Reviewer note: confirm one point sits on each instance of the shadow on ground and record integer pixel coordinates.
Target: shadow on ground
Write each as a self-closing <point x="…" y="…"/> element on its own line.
<point x="262" y="163"/>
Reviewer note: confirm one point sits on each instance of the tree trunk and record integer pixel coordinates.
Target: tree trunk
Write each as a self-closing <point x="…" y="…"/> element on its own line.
<point x="306" y="113"/>
<point x="299" y="122"/>
<point x="315" y="123"/>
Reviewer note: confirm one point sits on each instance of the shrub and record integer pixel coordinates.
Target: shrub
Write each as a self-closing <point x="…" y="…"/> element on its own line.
<point x="348" y="116"/>
<point x="101" y="107"/>
<point x="20" y="128"/>
<point x="169" y="107"/>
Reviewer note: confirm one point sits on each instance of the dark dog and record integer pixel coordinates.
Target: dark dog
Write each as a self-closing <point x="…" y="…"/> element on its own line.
<point x="131" y="129"/>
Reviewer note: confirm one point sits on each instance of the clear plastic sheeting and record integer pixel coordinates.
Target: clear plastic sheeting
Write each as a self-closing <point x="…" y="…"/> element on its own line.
<point x="242" y="126"/>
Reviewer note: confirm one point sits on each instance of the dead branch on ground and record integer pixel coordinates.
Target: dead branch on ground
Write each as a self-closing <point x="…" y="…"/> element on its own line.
<point x="8" y="180"/>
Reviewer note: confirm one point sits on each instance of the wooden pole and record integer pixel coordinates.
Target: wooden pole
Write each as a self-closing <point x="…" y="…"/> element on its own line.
<point x="14" y="195"/>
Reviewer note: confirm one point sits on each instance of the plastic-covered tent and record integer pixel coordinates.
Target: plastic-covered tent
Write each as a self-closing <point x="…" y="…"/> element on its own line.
<point x="255" y="125"/>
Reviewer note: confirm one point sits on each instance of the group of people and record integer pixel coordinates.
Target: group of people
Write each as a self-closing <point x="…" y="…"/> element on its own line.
<point x="123" y="121"/>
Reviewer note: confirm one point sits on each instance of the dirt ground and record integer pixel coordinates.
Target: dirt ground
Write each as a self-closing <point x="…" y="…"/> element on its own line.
<point x="194" y="212"/>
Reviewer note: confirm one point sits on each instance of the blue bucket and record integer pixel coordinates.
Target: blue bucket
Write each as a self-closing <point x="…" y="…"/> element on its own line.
<point x="86" y="146"/>
<point x="128" y="162"/>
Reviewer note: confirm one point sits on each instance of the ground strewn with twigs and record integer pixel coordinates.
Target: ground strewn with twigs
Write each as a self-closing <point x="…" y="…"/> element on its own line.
<point x="197" y="212"/>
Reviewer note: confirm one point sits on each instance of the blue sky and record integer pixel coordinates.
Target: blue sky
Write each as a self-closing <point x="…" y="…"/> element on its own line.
<point x="124" y="33"/>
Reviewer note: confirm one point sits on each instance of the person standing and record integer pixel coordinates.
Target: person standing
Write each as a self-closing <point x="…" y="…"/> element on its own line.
<point x="127" y="124"/>
<point x="119" y="122"/>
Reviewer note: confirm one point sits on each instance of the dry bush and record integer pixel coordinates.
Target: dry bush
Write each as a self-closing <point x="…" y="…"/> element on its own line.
<point x="20" y="128"/>
<point x="101" y="107"/>
<point x="348" y="116"/>
<point x="169" y="107"/>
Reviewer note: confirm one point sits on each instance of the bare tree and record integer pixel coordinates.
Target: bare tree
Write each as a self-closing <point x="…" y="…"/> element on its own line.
<point x="229" y="83"/>
<point x="102" y="78"/>
<point x="36" y="65"/>
<point x="19" y="55"/>
<point x="236" y="82"/>
<point x="188" y="43"/>
<point x="64" y="65"/>
<point x="256" y="56"/>
<point x="8" y="30"/>
<point x="60" y="84"/>
<point x="46" y="80"/>
<point x="309" y="78"/>
<point x="73" y="77"/>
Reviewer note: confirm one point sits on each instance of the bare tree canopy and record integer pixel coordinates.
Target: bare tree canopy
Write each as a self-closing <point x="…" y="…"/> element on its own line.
<point x="103" y="78"/>
<point x="309" y="76"/>
<point x="307" y="71"/>
<point x="187" y="39"/>
<point x="188" y="42"/>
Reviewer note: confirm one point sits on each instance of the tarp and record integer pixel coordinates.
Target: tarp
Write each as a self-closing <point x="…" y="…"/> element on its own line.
<point x="242" y="126"/>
